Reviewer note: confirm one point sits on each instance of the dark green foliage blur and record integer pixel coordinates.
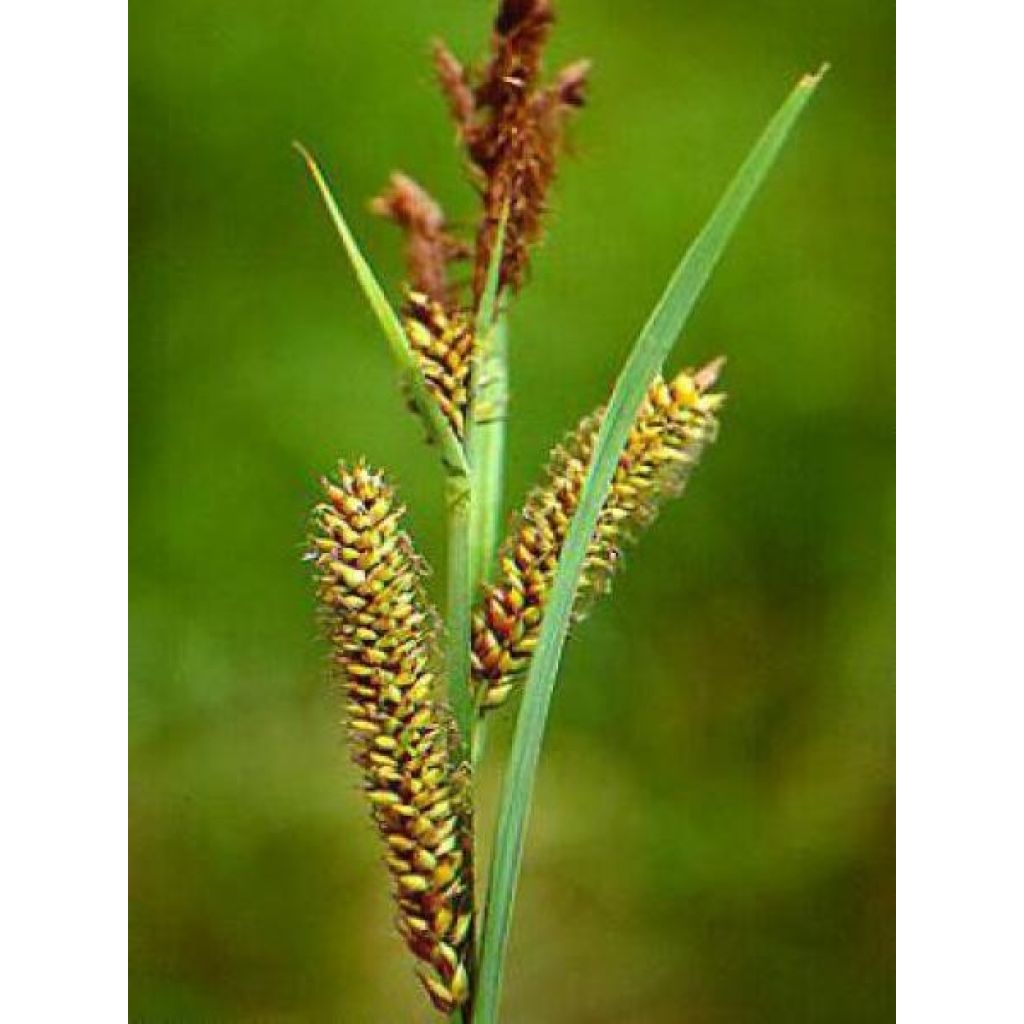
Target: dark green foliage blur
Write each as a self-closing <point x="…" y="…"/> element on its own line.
<point x="712" y="833"/>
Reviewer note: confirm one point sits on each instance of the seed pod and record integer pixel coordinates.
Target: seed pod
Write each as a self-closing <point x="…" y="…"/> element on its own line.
<point x="675" y="422"/>
<point x="384" y="645"/>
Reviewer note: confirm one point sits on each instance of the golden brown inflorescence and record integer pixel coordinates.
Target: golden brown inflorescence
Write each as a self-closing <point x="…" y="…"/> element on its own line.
<point x="442" y="340"/>
<point x="383" y="640"/>
<point x="676" y="421"/>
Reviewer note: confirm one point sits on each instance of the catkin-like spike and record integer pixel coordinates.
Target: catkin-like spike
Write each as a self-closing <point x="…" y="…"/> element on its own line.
<point x="442" y="339"/>
<point x="675" y="422"/>
<point x="512" y="127"/>
<point x="383" y="641"/>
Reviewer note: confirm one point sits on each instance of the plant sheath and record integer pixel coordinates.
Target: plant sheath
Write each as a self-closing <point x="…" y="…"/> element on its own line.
<point x="473" y="507"/>
<point x="486" y="446"/>
<point x="485" y="441"/>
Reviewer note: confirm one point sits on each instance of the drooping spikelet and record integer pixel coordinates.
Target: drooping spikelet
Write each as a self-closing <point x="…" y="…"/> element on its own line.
<point x="430" y="248"/>
<point x="383" y="645"/>
<point x="442" y="340"/>
<point x="674" y="424"/>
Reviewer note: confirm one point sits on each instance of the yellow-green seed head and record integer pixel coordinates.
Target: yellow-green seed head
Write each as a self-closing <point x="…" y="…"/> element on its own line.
<point x="383" y="640"/>
<point x="442" y="340"/>
<point x="675" y="423"/>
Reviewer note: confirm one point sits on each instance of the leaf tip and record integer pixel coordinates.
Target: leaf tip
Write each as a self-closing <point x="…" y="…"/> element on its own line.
<point x="303" y="152"/>
<point x="812" y="78"/>
<point x="314" y="169"/>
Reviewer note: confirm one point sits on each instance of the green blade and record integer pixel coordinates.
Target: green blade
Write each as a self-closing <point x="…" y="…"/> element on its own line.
<point x="409" y="371"/>
<point x="649" y="352"/>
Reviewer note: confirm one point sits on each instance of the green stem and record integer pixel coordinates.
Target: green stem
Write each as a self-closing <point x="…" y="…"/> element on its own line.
<point x="485" y="455"/>
<point x="486" y="449"/>
<point x="485" y="444"/>
<point x="485" y="435"/>
<point x="459" y="500"/>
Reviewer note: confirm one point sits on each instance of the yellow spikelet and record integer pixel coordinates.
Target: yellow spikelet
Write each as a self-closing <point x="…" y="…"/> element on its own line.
<point x="443" y="342"/>
<point x="383" y="640"/>
<point x="674" y="424"/>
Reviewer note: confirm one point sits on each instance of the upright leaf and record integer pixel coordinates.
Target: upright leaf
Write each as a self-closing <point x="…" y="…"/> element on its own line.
<point x="409" y="370"/>
<point x="649" y="352"/>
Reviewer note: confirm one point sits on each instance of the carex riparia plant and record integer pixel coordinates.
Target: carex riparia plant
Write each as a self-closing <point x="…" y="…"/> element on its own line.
<point x="417" y="688"/>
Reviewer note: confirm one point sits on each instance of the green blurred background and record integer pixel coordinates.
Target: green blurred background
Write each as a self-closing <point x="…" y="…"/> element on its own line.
<point x="712" y="838"/>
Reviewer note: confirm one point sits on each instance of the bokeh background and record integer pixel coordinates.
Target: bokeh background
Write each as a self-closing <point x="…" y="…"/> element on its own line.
<point x="712" y="838"/>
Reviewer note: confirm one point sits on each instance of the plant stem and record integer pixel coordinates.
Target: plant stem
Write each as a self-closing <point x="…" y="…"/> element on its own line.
<point x="485" y="445"/>
<point x="486" y="449"/>
<point x="474" y="510"/>
<point x="469" y="532"/>
<point x="485" y="435"/>
<point x="459" y="501"/>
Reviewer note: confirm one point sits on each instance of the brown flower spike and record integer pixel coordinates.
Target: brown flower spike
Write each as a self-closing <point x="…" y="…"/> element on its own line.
<point x="674" y="424"/>
<point x="512" y="129"/>
<point x="383" y="639"/>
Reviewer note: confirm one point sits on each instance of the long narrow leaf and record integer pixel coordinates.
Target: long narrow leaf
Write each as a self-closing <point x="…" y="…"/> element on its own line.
<point x="437" y="424"/>
<point x="649" y="352"/>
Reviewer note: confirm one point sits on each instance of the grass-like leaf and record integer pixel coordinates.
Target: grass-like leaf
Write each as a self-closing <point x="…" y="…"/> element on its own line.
<point x="409" y="371"/>
<point x="649" y="352"/>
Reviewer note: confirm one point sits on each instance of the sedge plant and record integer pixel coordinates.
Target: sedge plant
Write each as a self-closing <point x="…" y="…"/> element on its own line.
<point x="419" y="688"/>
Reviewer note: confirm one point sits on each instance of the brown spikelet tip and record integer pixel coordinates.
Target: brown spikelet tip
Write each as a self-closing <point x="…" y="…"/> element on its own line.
<point x="525" y="18"/>
<point x="675" y="423"/>
<point x="454" y="85"/>
<point x="383" y="640"/>
<point x="429" y="246"/>
<point x="570" y="87"/>
<point x="512" y="128"/>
